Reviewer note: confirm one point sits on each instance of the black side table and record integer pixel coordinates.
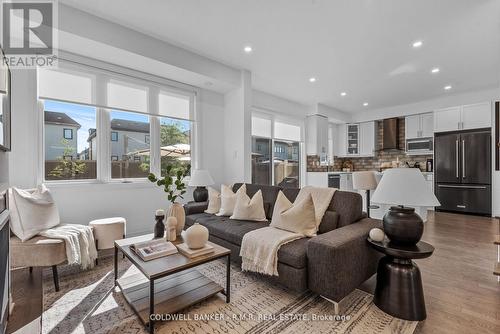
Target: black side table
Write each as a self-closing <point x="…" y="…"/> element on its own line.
<point x="399" y="289"/>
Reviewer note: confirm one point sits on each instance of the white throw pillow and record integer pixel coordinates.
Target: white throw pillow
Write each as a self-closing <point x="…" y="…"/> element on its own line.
<point x="228" y="199"/>
<point x="33" y="212"/>
<point x="249" y="209"/>
<point x="213" y="201"/>
<point x="294" y="217"/>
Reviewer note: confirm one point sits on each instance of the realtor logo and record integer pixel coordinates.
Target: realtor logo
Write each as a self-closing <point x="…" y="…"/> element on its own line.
<point x="28" y="33"/>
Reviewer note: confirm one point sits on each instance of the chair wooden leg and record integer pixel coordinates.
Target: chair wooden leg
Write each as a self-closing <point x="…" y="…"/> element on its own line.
<point x="31" y="270"/>
<point x="56" y="277"/>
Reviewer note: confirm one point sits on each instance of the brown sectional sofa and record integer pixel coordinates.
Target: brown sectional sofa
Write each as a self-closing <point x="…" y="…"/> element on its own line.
<point x="332" y="264"/>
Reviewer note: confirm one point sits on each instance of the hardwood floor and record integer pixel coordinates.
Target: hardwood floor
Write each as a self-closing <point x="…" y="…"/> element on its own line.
<point x="462" y="295"/>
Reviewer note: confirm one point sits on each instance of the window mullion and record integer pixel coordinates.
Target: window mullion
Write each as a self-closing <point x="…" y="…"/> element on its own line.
<point x="155" y="156"/>
<point x="103" y="145"/>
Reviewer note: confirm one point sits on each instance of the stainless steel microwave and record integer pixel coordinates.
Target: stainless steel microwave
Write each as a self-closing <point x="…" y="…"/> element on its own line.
<point x="420" y="146"/>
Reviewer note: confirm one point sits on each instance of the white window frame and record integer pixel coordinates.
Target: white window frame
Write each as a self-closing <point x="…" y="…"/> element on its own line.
<point x="277" y="117"/>
<point x="154" y="84"/>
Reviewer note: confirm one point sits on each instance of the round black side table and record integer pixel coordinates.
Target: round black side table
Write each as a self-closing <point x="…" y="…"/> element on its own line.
<point x="399" y="289"/>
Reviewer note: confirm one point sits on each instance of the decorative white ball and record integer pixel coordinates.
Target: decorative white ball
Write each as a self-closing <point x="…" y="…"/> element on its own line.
<point x="376" y="234"/>
<point x="196" y="236"/>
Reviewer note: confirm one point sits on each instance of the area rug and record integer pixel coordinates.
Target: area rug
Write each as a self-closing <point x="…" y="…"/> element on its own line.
<point x="88" y="302"/>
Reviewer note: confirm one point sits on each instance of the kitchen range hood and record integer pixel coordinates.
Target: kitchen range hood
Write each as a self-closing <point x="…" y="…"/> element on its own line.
<point x="390" y="134"/>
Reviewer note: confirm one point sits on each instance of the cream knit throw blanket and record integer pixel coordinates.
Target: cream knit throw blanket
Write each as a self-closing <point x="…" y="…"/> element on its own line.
<point x="259" y="248"/>
<point x="79" y="241"/>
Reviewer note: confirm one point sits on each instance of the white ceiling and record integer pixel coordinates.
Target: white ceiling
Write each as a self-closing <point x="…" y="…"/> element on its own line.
<point x="362" y="47"/>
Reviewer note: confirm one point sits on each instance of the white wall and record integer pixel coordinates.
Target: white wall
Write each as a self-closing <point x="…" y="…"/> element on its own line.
<point x="237" y="130"/>
<point x="212" y="148"/>
<point x="4" y="170"/>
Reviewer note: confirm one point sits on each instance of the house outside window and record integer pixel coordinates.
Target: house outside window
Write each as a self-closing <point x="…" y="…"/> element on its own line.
<point x="134" y="124"/>
<point x="68" y="154"/>
<point x="282" y="139"/>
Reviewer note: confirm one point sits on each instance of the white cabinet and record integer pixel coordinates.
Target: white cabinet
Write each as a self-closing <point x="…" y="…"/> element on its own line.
<point x="412" y="126"/>
<point x="472" y="116"/>
<point x="352" y="139"/>
<point x="427" y="123"/>
<point x="340" y="144"/>
<point x="367" y="139"/>
<point x="419" y="126"/>
<point x="346" y="182"/>
<point x="475" y="116"/>
<point x="317" y="179"/>
<point x="317" y="135"/>
<point x="447" y="119"/>
<point x="355" y="140"/>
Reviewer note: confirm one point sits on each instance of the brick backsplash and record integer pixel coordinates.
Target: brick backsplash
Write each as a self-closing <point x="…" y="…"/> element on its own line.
<point x="372" y="163"/>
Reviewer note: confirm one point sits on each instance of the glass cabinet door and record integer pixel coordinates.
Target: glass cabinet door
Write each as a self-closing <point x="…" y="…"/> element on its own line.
<point x="352" y="139"/>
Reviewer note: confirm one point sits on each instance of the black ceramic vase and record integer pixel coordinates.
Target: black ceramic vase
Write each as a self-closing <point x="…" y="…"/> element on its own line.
<point x="159" y="227"/>
<point x="200" y="194"/>
<point x="403" y="226"/>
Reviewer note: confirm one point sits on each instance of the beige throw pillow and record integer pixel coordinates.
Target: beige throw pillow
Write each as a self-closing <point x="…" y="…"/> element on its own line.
<point x="249" y="209"/>
<point x="294" y="217"/>
<point x="228" y="199"/>
<point x="213" y="201"/>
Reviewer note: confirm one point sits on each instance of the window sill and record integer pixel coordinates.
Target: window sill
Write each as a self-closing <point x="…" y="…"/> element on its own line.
<point x="114" y="184"/>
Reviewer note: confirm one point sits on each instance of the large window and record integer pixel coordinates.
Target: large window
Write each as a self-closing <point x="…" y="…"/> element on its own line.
<point x="175" y="143"/>
<point x="130" y="146"/>
<point x="69" y="129"/>
<point x="146" y="126"/>
<point x="261" y="157"/>
<point x="275" y="152"/>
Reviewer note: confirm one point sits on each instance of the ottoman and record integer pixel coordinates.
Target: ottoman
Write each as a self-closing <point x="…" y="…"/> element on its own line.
<point x="107" y="230"/>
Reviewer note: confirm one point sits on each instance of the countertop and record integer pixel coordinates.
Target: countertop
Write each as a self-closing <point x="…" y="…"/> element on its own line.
<point x="376" y="171"/>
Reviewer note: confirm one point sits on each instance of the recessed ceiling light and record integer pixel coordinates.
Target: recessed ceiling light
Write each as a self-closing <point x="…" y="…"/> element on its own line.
<point x="247" y="49"/>
<point x="417" y="44"/>
<point x="313" y="79"/>
<point x="365" y="104"/>
<point x="435" y="70"/>
<point x="447" y="87"/>
<point x="343" y="94"/>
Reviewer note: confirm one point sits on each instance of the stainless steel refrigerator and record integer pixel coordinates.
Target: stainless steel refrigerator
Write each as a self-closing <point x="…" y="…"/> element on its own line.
<point x="462" y="171"/>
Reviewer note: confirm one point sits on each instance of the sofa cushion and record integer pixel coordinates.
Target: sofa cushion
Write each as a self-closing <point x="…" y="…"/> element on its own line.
<point x="348" y="205"/>
<point x="294" y="253"/>
<point x="329" y="222"/>
<point x="290" y="193"/>
<point x="269" y="194"/>
<point x="231" y="230"/>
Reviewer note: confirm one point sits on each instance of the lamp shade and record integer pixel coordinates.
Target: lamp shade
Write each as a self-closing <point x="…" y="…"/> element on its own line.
<point x="200" y="178"/>
<point x="364" y="180"/>
<point x="404" y="186"/>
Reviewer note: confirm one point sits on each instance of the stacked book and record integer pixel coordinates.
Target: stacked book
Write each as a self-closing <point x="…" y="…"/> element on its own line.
<point x="190" y="253"/>
<point x="153" y="249"/>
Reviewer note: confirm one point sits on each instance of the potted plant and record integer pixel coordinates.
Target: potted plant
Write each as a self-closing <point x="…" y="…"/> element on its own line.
<point x="173" y="184"/>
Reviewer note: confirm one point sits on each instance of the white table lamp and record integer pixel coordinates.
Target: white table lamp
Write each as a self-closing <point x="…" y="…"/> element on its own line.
<point x="200" y="178"/>
<point x="400" y="187"/>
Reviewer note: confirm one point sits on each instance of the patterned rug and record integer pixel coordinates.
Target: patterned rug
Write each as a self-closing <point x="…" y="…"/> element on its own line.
<point x="88" y="302"/>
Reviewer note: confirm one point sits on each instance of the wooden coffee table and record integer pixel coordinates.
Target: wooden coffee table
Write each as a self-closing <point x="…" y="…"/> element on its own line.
<point x="168" y="284"/>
